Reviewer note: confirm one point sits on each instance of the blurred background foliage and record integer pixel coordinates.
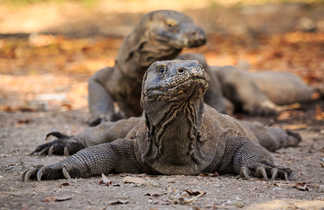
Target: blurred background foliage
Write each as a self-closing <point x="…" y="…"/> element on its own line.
<point x="211" y="2"/>
<point x="53" y="46"/>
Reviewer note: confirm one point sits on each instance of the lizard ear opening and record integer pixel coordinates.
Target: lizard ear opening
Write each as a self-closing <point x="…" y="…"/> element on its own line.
<point x="142" y="91"/>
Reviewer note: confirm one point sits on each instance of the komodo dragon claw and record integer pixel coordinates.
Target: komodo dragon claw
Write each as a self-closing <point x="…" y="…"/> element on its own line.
<point x="266" y="108"/>
<point x="46" y="173"/>
<point x="265" y="171"/>
<point x="63" y="145"/>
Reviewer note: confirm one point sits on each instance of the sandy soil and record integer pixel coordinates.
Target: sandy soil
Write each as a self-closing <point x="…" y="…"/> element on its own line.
<point x="21" y="132"/>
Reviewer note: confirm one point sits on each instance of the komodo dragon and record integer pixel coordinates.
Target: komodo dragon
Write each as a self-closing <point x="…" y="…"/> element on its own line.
<point x="160" y="35"/>
<point x="261" y="92"/>
<point x="178" y="134"/>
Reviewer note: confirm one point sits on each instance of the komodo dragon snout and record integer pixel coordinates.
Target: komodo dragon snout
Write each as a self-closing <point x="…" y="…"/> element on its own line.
<point x="176" y="30"/>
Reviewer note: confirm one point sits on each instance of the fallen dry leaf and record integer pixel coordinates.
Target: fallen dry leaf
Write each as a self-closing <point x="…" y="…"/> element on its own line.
<point x="118" y="202"/>
<point x="57" y="199"/>
<point x="23" y="121"/>
<point x="285" y="115"/>
<point x="282" y="184"/>
<point x="135" y="180"/>
<point x="292" y="106"/>
<point x="49" y="199"/>
<point x="17" y="109"/>
<point x="154" y="194"/>
<point x="294" y="126"/>
<point x="64" y="184"/>
<point x="316" y="96"/>
<point x="185" y="197"/>
<point x="104" y="180"/>
<point x="319" y="113"/>
<point x="66" y="107"/>
<point x="302" y="186"/>
<point x="195" y="192"/>
<point x="66" y="198"/>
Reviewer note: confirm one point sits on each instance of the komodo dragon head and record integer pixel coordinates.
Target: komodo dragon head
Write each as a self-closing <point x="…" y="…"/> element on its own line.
<point x="174" y="29"/>
<point x="172" y="99"/>
<point x="160" y="35"/>
<point x="173" y="81"/>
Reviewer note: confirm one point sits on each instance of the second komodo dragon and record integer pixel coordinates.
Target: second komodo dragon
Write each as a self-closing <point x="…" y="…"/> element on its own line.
<point x="178" y="134"/>
<point x="160" y="35"/>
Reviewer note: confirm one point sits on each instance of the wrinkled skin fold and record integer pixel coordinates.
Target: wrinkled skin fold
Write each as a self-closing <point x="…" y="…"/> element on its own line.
<point x="178" y="134"/>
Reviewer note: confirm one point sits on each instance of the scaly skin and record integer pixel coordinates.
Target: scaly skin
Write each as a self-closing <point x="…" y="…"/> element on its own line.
<point x="214" y="95"/>
<point x="178" y="134"/>
<point x="160" y="35"/>
<point x="257" y="93"/>
<point x="261" y="93"/>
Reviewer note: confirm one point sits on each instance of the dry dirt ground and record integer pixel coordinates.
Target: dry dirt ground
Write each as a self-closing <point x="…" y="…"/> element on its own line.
<point x="21" y="132"/>
<point x="43" y="88"/>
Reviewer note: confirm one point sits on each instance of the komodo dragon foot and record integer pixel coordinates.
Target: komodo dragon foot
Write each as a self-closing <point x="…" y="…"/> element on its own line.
<point x="54" y="171"/>
<point x="39" y="172"/>
<point x="265" y="170"/>
<point x="253" y="160"/>
<point x="94" y="121"/>
<point x="63" y="145"/>
<point x="266" y="108"/>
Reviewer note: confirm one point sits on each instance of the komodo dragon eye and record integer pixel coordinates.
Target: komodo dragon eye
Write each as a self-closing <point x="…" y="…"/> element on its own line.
<point x="161" y="69"/>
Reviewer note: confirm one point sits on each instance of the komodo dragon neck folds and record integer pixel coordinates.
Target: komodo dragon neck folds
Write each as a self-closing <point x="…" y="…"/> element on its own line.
<point x="178" y="134"/>
<point x="160" y="35"/>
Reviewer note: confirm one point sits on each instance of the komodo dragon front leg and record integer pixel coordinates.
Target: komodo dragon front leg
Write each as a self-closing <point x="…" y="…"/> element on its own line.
<point x="101" y="103"/>
<point x="117" y="157"/>
<point x="244" y="157"/>
<point x="105" y="132"/>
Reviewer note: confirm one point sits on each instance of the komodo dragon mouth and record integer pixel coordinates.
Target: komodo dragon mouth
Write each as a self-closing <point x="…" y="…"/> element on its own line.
<point x="197" y="83"/>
